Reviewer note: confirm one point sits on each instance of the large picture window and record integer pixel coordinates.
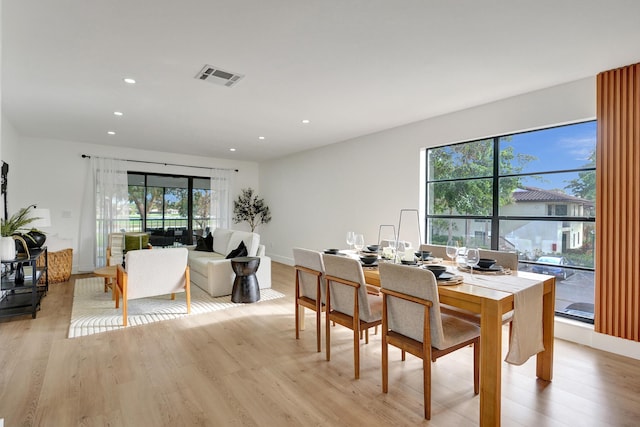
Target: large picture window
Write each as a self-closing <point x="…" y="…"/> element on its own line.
<point x="532" y="193"/>
<point x="170" y="208"/>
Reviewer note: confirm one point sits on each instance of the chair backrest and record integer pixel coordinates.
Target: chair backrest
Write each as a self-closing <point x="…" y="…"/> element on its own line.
<point x="438" y="251"/>
<point x="311" y="260"/>
<point x="116" y="247"/>
<point x="505" y="259"/>
<point x="406" y="317"/>
<point x="155" y="271"/>
<point x="342" y="296"/>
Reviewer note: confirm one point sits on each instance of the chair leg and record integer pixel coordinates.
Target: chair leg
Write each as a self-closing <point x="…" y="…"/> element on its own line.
<point x="297" y="309"/>
<point x="328" y="337"/>
<point x="124" y="311"/>
<point x="318" y="312"/>
<point x="404" y="355"/>
<point x="426" y="379"/>
<point x="366" y="336"/>
<point x="476" y="367"/>
<point x="356" y="352"/>
<point x="385" y="364"/>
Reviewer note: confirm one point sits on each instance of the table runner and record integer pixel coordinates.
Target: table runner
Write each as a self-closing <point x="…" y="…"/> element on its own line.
<point x="526" y="329"/>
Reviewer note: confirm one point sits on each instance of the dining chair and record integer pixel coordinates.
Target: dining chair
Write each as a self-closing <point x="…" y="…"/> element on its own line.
<point x="348" y="303"/>
<point x="505" y="259"/>
<point x="310" y="287"/>
<point x="412" y="322"/>
<point x="437" y="251"/>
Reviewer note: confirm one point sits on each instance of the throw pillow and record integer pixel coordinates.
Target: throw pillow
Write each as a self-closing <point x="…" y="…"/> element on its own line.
<point x="240" y="251"/>
<point x="201" y="245"/>
<point x="209" y="242"/>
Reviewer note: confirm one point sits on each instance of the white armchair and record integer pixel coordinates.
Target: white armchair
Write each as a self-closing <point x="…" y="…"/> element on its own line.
<point x="151" y="272"/>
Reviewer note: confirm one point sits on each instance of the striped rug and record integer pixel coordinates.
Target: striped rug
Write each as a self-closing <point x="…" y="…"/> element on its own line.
<point x="94" y="311"/>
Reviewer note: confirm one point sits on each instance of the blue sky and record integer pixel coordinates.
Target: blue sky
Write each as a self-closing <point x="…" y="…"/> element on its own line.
<point x="563" y="147"/>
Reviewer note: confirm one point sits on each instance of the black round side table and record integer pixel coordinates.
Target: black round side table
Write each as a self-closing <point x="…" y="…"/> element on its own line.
<point x="245" y="285"/>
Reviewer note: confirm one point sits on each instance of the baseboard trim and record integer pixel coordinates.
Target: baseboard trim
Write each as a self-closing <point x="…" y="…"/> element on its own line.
<point x="583" y="333"/>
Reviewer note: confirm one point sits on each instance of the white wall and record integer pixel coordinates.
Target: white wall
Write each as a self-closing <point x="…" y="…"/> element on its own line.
<point x="51" y="174"/>
<point x="317" y="196"/>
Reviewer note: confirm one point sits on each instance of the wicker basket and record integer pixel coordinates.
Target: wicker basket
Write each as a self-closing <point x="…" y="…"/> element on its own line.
<point x="60" y="263"/>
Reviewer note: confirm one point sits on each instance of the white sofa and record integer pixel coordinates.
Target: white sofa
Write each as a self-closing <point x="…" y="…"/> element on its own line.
<point x="212" y="272"/>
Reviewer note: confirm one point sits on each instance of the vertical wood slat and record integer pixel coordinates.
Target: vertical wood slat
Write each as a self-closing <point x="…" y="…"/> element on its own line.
<point x="617" y="272"/>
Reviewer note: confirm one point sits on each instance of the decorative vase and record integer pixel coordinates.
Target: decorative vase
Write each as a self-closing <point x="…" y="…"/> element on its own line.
<point x="19" y="276"/>
<point x="7" y="248"/>
<point x="35" y="238"/>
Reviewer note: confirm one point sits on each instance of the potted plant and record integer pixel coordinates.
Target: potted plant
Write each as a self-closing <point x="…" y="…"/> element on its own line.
<point x="248" y="207"/>
<point x="12" y="226"/>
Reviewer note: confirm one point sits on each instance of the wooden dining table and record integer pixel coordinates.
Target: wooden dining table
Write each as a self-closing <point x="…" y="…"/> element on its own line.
<point x="491" y="304"/>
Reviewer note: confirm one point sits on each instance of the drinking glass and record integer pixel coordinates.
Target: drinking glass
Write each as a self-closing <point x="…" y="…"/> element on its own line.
<point x="473" y="257"/>
<point x="452" y="249"/>
<point x="400" y="248"/>
<point x="351" y="238"/>
<point x="359" y="242"/>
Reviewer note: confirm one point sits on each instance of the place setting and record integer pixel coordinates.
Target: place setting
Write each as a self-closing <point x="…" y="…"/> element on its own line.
<point x="477" y="265"/>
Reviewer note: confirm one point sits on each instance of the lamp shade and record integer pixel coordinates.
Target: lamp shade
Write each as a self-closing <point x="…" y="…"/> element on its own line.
<point x="43" y="218"/>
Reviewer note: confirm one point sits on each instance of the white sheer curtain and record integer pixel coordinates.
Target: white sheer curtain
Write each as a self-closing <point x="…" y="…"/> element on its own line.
<point x="221" y="184"/>
<point x="105" y="209"/>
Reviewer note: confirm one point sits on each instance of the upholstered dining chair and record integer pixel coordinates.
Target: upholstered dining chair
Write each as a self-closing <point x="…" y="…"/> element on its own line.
<point x="412" y="322"/>
<point x="151" y="272"/>
<point x="310" y="287"/>
<point x="438" y="251"/>
<point x="348" y="303"/>
<point x="505" y="259"/>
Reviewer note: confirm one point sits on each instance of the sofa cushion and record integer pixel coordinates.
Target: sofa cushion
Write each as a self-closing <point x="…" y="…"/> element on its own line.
<point x="240" y="251"/>
<point x="198" y="261"/>
<point x="221" y="239"/>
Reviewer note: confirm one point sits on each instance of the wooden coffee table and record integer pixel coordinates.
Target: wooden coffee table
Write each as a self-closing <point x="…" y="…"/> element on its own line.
<point x="109" y="273"/>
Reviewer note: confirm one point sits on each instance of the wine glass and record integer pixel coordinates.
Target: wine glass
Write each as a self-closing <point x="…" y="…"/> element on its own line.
<point x="351" y="238"/>
<point x="473" y="257"/>
<point x="358" y="242"/>
<point x="400" y="249"/>
<point x="452" y="249"/>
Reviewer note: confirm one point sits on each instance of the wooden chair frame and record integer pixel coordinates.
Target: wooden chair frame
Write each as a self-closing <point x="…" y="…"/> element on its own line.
<point x="307" y="302"/>
<point x="352" y="322"/>
<point x="423" y="349"/>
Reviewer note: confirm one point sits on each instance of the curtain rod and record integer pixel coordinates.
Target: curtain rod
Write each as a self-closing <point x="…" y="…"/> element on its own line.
<point x="86" y="156"/>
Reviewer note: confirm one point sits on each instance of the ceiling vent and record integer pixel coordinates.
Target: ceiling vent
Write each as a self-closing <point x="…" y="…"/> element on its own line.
<point x="215" y="75"/>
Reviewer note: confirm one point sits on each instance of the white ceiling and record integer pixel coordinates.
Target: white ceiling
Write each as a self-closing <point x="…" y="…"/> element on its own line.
<point x="352" y="67"/>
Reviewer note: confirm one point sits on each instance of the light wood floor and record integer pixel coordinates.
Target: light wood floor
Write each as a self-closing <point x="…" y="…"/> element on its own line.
<point x="243" y="366"/>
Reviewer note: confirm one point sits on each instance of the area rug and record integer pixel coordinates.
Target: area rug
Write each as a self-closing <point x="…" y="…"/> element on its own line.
<point x="94" y="311"/>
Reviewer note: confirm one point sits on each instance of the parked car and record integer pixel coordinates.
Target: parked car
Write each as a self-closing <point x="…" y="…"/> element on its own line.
<point x="553" y="266"/>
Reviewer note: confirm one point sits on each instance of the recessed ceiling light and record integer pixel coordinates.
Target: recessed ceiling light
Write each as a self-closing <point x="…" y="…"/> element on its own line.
<point x="232" y="149"/>
<point x="117" y="113"/>
<point x="111" y="132"/>
<point x="261" y="137"/>
<point x="306" y="121"/>
<point x="129" y="80"/>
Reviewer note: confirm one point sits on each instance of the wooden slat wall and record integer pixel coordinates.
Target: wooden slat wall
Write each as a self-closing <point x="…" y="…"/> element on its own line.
<point x="617" y="299"/>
